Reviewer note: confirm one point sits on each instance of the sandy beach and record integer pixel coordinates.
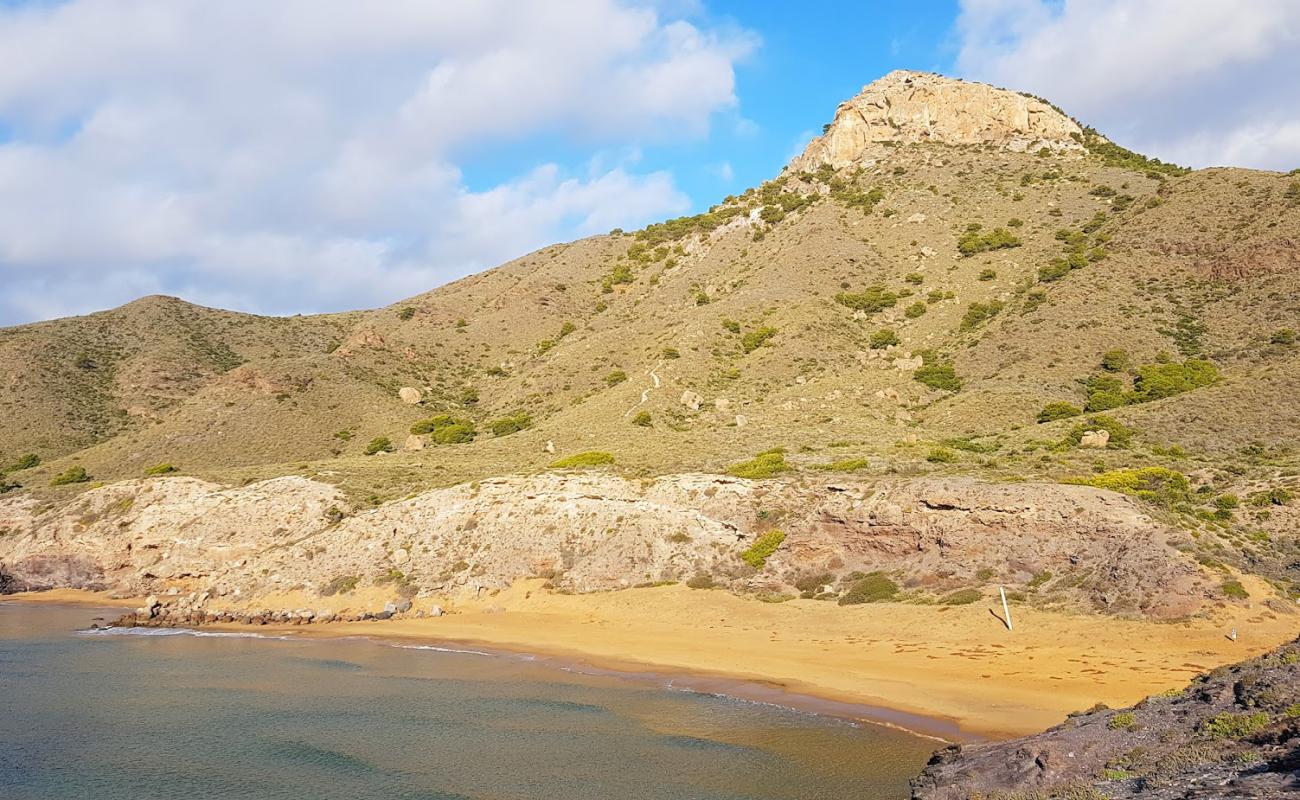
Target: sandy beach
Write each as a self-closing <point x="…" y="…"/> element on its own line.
<point x="955" y="664"/>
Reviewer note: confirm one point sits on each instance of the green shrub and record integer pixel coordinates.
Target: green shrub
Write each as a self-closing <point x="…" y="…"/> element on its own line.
<point x="1124" y="720"/>
<point x="979" y="312"/>
<point x="872" y="299"/>
<point x="962" y="597"/>
<point x="940" y="455"/>
<point x="874" y="587"/>
<point x="405" y="313"/>
<point x="339" y="585"/>
<point x="988" y="275"/>
<point x="379" y="444"/>
<point x="616" y="377"/>
<point x="1058" y="410"/>
<point x="763" y="547"/>
<point x="160" y="469"/>
<point x="731" y="325"/>
<point x="591" y="458"/>
<point x="1156" y="381"/>
<point x="845" y="465"/>
<point x="458" y="432"/>
<point x="1284" y="336"/>
<point x="883" y="338"/>
<point x="914" y="278"/>
<point x="1106" y="392"/>
<point x="937" y="374"/>
<point x="1149" y="483"/>
<point x="764" y="465"/>
<point x="1054" y="270"/>
<point x="1233" y="589"/>
<point x="510" y="423"/>
<point x="642" y="419"/>
<point x="1276" y="496"/>
<point x="915" y="310"/>
<point x="70" y="475"/>
<point x="670" y="353"/>
<point x="1115" y="361"/>
<point x="1234" y="726"/>
<point x="23" y="462"/>
<point x="972" y="241"/>
<point x="757" y="338"/>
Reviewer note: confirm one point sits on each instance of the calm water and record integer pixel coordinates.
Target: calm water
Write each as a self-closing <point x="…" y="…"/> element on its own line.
<point x="179" y="716"/>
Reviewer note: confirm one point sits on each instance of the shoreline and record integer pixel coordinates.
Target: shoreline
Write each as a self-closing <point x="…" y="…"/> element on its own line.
<point x="950" y="672"/>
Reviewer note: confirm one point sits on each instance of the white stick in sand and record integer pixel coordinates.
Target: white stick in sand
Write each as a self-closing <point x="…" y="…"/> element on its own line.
<point x="1006" y="610"/>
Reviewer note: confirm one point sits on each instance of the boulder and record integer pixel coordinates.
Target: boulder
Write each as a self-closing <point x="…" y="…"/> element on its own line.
<point x="692" y="400"/>
<point x="1095" y="439"/>
<point x="409" y="395"/>
<point x="413" y="442"/>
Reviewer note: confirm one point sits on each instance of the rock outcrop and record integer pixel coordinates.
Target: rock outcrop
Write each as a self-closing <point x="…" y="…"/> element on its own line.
<point x="907" y="107"/>
<point x="1076" y="546"/>
<point x="1233" y="733"/>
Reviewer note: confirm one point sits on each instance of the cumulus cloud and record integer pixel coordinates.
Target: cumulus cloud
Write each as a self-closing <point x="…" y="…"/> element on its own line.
<point x="303" y="155"/>
<point x="1197" y="83"/>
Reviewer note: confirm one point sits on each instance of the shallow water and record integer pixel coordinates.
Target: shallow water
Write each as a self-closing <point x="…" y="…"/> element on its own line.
<point x="182" y="716"/>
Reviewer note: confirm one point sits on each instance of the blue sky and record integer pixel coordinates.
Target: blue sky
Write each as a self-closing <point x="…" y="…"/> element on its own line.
<point x="319" y="155"/>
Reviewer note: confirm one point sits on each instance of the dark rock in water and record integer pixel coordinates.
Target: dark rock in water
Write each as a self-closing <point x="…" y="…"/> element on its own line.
<point x="1234" y="733"/>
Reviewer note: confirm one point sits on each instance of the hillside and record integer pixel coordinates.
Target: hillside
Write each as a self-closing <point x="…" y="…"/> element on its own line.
<point x="904" y="300"/>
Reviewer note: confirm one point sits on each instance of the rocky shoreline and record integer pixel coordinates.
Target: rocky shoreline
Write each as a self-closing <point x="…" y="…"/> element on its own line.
<point x="1232" y="733"/>
<point x="189" y="611"/>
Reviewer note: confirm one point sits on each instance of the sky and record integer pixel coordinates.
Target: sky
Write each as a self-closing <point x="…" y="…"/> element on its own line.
<point x="301" y="156"/>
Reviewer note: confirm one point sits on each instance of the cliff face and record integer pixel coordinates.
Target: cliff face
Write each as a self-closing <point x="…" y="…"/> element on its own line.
<point x="1067" y="546"/>
<point x="914" y="107"/>
<point x="1233" y="733"/>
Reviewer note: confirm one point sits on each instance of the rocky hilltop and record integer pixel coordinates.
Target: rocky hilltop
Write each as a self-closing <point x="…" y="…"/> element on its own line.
<point x="907" y="107"/>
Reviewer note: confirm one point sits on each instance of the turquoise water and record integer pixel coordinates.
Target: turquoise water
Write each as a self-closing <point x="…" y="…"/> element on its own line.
<point x="103" y="717"/>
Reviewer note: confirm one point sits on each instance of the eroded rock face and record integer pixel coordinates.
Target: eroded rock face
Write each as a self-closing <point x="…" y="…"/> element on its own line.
<point x="598" y="531"/>
<point x="907" y="107"/>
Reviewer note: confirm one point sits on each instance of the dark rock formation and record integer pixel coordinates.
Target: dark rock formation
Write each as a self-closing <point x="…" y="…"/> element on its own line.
<point x="1233" y="733"/>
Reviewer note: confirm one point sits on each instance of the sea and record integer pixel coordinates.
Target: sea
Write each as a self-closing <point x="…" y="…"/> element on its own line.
<point x="136" y="714"/>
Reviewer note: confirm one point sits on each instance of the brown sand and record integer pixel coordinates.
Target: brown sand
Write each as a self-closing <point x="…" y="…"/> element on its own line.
<point x="957" y="663"/>
<point x="73" y="597"/>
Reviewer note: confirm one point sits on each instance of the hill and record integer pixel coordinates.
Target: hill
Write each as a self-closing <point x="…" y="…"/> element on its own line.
<point x="954" y="280"/>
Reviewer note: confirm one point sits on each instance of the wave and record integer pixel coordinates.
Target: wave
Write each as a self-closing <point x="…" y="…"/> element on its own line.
<point x="138" y="631"/>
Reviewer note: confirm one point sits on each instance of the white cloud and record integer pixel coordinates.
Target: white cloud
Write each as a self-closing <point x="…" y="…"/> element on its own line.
<point x="1201" y="83"/>
<point x="303" y="155"/>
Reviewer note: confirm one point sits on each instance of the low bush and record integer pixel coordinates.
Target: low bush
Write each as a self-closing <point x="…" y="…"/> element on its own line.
<point x="872" y="299"/>
<point x="757" y="338"/>
<point x="23" y="462"/>
<point x="339" y="585"/>
<point x="1123" y="721"/>
<point x="591" y="458"/>
<point x="937" y="374"/>
<point x="70" y="475"/>
<point x="1156" y="381"/>
<point x="379" y="444"/>
<point x="915" y="310"/>
<point x="1234" y="590"/>
<point x="511" y="423"/>
<point x="977" y="313"/>
<point x="845" y="465"/>
<point x="762" y="548"/>
<point x="883" y="338"/>
<point x="764" y="465"/>
<point x="962" y="597"/>
<point x="456" y="433"/>
<point x="972" y="241"/>
<point x="1120" y="434"/>
<point x="160" y="469"/>
<point x="1058" y="410"/>
<point x="940" y="455"/>
<point x="1159" y="484"/>
<point x="1234" y="726"/>
<point x="616" y="377"/>
<point x="874" y="587"/>
<point x="642" y="419"/>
